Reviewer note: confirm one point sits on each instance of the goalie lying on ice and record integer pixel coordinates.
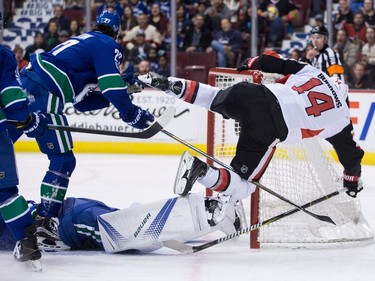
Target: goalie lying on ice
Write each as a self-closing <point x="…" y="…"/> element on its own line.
<point x="86" y="224"/>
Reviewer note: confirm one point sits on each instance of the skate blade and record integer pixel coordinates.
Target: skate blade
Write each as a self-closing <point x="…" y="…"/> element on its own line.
<point x="180" y="182"/>
<point x="34" y="265"/>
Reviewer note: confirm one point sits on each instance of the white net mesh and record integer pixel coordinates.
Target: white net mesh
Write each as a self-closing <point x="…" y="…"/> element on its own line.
<point x="301" y="173"/>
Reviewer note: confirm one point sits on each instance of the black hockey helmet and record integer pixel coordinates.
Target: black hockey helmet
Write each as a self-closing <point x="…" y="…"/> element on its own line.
<point x="319" y="30"/>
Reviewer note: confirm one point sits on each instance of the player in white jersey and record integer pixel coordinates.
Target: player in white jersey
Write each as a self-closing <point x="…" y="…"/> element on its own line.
<point x="303" y="104"/>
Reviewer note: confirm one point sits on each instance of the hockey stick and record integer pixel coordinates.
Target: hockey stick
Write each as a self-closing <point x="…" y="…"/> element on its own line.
<point x="261" y="186"/>
<point x="149" y="132"/>
<point x="187" y="249"/>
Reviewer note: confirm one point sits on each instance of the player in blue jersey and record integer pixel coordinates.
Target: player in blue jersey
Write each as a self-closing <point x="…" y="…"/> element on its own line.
<point x="69" y="73"/>
<point x="78" y="223"/>
<point x="13" y="206"/>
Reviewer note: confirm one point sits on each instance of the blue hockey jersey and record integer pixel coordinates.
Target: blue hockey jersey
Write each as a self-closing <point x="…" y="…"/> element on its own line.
<point x="81" y="63"/>
<point x="78" y="226"/>
<point x="13" y="101"/>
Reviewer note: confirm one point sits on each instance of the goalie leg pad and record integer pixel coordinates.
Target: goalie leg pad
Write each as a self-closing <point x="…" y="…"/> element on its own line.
<point x="146" y="226"/>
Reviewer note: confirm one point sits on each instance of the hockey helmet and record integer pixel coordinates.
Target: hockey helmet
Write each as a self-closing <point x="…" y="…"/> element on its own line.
<point x="319" y="30"/>
<point x="110" y="19"/>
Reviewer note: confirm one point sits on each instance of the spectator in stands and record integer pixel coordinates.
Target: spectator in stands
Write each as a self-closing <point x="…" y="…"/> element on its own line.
<point x="319" y="20"/>
<point x="144" y="67"/>
<point x="74" y="29"/>
<point x="63" y="36"/>
<point x="349" y="52"/>
<point x="344" y="15"/>
<point x="278" y="14"/>
<point x="165" y="7"/>
<point x="167" y="39"/>
<point x="356" y="5"/>
<point x="202" y="7"/>
<point x="369" y="12"/>
<point x="316" y="7"/>
<point x="295" y="54"/>
<point x="368" y="51"/>
<point x="357" y="30"/>
<point x="158" y="19"/>
<point x="51" y="38"/>
<point x="114" y="4"/>
<point x="138" y="7"/>
<point x="215" y="13"/>
<point x="151" y="34"/>
<point x="140" y="50"/>
<point x="234" y="7"/>
<point x="62" y="21"/>
<point x="358" y="78"/>
<point x="322" y="56"/>
<point x="245" y="27"/>
<point x="164" y="67"/>
<point x="128" y="21"/>
<point x="197" y="36"/>
<point x="183" y="21"/>
<point x="227" y="44"/>
<point x="153" y="59"/>
<point x="37" y="46"/>
<point x="18" y="53"/>
<point x="75" y="4"/>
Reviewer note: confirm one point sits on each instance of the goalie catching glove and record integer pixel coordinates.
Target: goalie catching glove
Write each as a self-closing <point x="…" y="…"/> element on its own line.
<point x="353" y="184"/>
<point x="138" y="118"/>
<point x="35" y="125"/>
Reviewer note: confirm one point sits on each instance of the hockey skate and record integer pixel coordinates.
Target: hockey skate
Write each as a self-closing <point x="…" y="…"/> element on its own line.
<point x="162" y="83"/>
<point x="189" y="170"/>
<point x="27" y="250"/>
<point x="47" y="228"/>
<point x="222" y="211"/>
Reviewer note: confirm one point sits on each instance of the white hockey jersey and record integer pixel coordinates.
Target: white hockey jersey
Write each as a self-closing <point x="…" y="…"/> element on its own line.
<point x="312" y="105"/>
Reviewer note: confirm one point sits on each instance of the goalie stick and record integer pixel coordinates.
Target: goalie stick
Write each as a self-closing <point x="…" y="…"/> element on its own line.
<point x="149" y="132"/>
<point x="261" y="186"/>
<point x="187" y="249"/>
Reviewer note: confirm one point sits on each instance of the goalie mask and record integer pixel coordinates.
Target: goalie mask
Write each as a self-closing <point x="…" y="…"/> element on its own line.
<point x="110" y="19"/>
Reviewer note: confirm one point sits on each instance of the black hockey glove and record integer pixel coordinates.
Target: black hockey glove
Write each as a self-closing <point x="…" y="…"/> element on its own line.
<point x="247" y="64"/>
<point x="138" y="118"/>
<point x="35" y="126"/>
<point x="353" y="184"/>
<point x="134" y="85"/>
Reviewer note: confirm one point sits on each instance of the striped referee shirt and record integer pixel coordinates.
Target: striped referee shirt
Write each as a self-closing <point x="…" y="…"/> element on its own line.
<point x="329" y="62"/>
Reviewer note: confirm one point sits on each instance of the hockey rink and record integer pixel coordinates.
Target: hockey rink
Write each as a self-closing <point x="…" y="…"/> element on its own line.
<point x="120" y="180"/>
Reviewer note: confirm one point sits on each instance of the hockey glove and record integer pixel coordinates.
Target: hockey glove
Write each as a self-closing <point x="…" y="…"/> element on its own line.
<point x="138" y="118"/>
<point x="134" y="85"/>
<point x="353" y="184"/>
<point x="35" y="126"/>
<point x="247" y="64"/>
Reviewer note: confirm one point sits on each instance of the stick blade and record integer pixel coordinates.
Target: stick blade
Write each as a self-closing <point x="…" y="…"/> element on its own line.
<point x="178" y="246"/>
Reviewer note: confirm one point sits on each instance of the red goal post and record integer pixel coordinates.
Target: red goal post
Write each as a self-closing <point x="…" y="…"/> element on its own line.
<point x="301" y="173"/>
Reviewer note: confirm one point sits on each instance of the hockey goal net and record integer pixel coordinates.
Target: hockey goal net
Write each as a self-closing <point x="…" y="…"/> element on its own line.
<point x="301" y="173"/>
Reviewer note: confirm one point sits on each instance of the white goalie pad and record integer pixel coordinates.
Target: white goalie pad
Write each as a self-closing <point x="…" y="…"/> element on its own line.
<point x="146" y="226"/>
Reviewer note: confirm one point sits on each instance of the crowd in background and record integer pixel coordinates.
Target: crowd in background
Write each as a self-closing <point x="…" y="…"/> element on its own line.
<point x="219" y="26"/>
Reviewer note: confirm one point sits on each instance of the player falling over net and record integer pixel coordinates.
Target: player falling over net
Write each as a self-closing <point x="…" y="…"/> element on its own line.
<point x="303" y="104"/>
<point x="70" y="73"/>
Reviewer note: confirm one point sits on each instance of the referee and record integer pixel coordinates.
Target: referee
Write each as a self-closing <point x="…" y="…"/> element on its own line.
<point x="322" y="56"/>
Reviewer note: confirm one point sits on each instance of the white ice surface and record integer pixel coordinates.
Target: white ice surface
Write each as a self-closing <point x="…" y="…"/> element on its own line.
<point x="120" y="180"/>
